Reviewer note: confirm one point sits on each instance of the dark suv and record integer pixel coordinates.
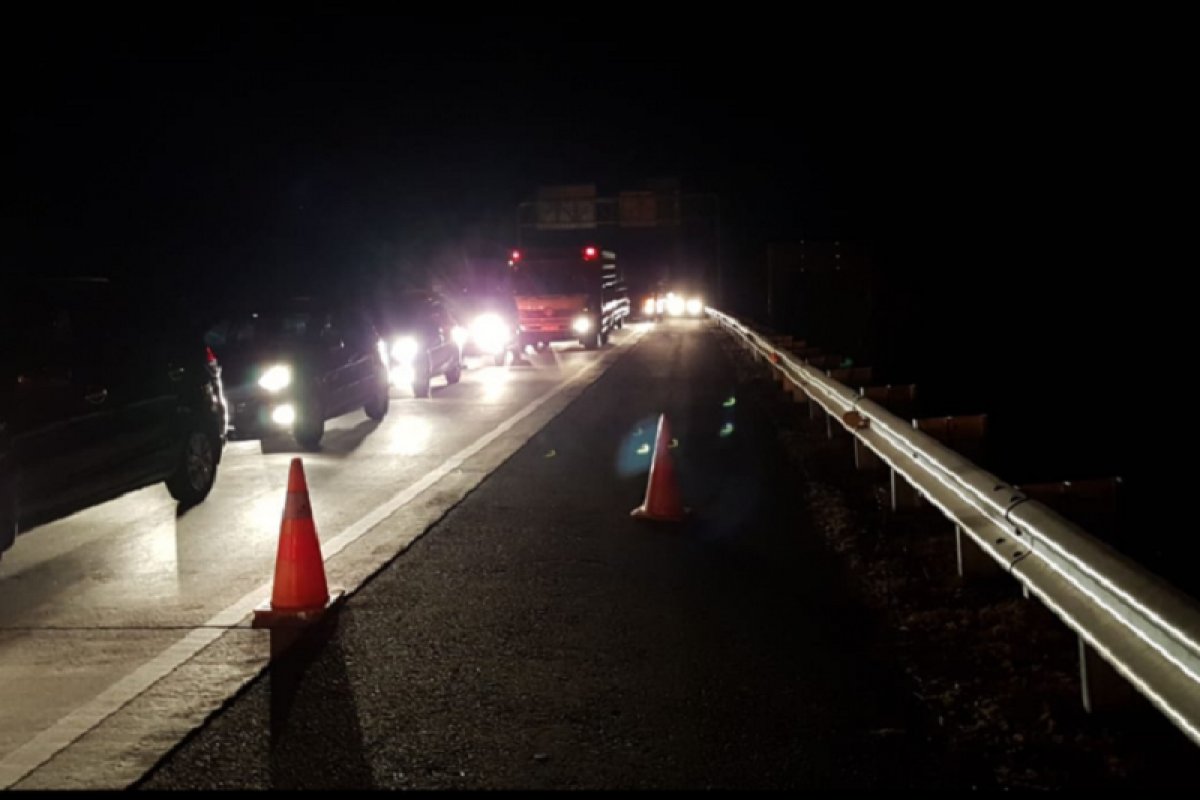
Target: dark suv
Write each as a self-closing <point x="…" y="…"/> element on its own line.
<point x="291" y="366"/>
<point x="98" y="397"/>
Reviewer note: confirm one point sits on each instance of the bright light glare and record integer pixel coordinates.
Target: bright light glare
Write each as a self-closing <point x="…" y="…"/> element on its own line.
<point x="696" y="307"/>
<point x="495" y="383"/>
<point x="405" y="350"/>
<point x="583" y="325"/>
<point x="676" y="306"/>
<point x="490" y="333"/>
<point x="284" y="415"/>
<point x="460" y="335"/>
<point x="276" y="379"/>
<point x="411" y="436"/>
<point x="662" y="306"/>
<point x="402" y="377"/>
<point x="650" y="306"/>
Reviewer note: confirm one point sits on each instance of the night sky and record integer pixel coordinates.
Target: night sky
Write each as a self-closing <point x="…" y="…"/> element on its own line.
<point x="994" y="170"/>
<point x="218" y="143"/>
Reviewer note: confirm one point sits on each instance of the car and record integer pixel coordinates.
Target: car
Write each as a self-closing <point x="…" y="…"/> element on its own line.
<point x="492" y="323"/>
<point x="423" y="340"/>
<point x="290" y="366"/>
<point x="99" y="396"/>
<point x="672" y="301"/>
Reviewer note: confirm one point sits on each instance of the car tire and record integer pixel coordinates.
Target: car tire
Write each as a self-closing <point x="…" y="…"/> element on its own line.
<point x="196" y="472"/>
<point x="421" y="381"/>
<point x="454" y="373"/>
<point x="310" y="427"/>
<point x="377" y="408"/>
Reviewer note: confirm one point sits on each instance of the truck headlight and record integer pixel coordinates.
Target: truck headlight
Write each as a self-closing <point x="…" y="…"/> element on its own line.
<point x="583" y="325"/>
<point x="405" y="350"/>
<point x="696" y="307"/>
<point x="276" y="379"/>
<point x="676" y="306"/>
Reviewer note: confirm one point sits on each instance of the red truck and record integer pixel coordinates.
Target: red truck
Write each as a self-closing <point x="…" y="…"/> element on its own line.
<point x="569" y="294"/>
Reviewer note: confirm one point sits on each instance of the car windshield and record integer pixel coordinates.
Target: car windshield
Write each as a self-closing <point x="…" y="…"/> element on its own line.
<point x="268" y="328"/>
<point x="403" y="311"/>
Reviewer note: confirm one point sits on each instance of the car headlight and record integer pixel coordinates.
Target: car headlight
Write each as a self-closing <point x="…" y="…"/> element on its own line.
<point x="649" y="307"/>
<point x="276" y="379"/>
<point x="696" y="307"/>
<point x="583" y="325"/>
<point x="405" y="350"/>
<point x="676" y="306"/>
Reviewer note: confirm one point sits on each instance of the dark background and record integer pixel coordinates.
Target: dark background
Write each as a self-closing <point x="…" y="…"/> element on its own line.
<point x="1014" y="178"/>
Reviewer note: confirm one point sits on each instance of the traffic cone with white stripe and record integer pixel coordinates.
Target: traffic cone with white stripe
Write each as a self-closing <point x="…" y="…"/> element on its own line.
<point x="301" y="595"/>
<point x="663" y="500"/>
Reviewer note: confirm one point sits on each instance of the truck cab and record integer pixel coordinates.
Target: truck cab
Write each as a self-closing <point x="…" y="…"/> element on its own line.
<point x="569" y="294"/>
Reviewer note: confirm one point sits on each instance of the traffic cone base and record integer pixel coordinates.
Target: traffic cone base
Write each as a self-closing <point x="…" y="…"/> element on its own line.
<point x="644" y="513"/>
<point x="265" y="616"/>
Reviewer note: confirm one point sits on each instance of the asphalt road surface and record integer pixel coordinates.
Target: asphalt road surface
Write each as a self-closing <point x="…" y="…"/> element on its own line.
<point x="540" y="638"/>
<point x="124" y="627"/>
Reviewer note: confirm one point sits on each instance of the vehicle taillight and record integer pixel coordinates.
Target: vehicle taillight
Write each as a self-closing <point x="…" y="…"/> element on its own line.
<point x="516" y="255"/>
<point x="590" y="253"/>
<point x="212" y="357"/>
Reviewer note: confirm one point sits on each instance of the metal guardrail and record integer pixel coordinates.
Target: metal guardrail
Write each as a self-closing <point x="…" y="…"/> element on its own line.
<point x="1141" y="626"/>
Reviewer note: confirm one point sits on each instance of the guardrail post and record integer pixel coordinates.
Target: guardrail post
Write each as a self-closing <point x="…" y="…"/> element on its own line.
<point x="1104" y="689"/>
<point x="865" y="458"/>
<point x="904" y="496"/>
<point x="973" y="562"/>
<point x="799" y="396"/>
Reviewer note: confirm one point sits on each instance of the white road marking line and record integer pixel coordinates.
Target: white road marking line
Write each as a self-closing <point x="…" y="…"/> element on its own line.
<point x="49" y="743"/>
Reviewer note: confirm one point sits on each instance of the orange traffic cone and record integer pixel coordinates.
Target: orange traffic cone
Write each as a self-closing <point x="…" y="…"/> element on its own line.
<point x="301" y="593"/>
<point x="663" y="503"/>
